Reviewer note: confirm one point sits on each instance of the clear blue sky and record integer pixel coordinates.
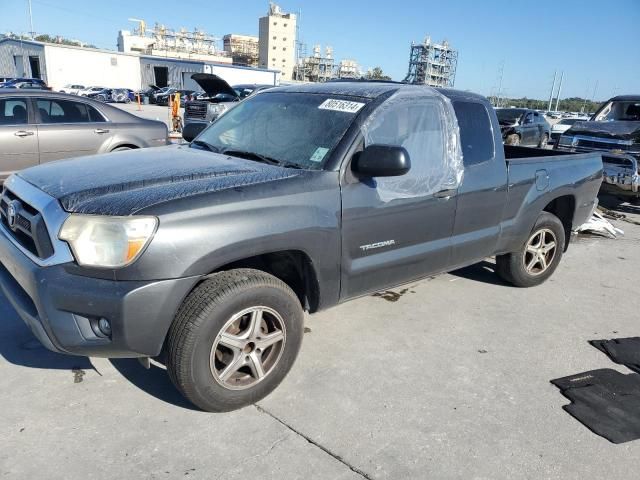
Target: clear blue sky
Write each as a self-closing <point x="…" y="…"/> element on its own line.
<point x="591" y="40"/>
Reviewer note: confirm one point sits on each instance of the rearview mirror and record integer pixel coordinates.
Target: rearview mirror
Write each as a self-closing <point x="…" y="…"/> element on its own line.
<point x="381" y="161"/>
<point x="192" y="130"/>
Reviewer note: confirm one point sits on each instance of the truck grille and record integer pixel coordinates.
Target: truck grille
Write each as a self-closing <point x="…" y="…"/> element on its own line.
<point x="25" y="224"/>
<point x="195" y="110"/>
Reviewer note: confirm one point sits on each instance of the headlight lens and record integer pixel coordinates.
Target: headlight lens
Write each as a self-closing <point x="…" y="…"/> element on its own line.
<point x="107" y="242"/>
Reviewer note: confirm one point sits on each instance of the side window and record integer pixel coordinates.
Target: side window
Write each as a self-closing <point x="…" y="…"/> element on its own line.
<point x="476" y="137"/>
<point x="63" y="111"/>
<point x="13" y="111"/>
<point x="95" y="115"/>
<point x="528" y="118"/>
<point x="417" y="125"/>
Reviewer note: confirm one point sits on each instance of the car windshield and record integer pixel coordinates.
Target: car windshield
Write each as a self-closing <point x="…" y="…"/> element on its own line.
<point x="291" y="129"/>
<point x="508" y="116"/>
<point x="619" y="111"/>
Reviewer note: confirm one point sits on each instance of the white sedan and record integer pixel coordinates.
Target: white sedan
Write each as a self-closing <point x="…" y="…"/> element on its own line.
<point x="88" y="90"/>
<point x="71" y="88"/>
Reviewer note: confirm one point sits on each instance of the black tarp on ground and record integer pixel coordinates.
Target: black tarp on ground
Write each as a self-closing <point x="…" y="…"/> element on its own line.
<point x="625" y="351"/>
<point x="605" y="401"/>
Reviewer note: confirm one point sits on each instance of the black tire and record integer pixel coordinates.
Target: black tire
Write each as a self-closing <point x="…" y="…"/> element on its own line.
<point x="512" y="267"/>
<point x="513" y="139"/>
<point x="200" y="323"/>
<point x="544" y="140"/>
<point x="121" y="149"/>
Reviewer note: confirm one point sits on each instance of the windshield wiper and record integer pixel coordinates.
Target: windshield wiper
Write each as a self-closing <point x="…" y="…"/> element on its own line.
<point x="252" y="156"/>
<point x="206" y="146"/>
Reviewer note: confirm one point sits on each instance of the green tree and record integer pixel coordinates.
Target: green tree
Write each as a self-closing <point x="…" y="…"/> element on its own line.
<point x="377" y="74"/>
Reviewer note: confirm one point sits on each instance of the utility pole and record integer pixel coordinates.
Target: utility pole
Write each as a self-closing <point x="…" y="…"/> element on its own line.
<point x="553" y="87"/>
<point x="500" y="84"/>
<point x="31" y="20"/>
<point x="559" y="90"/>
<point x="594" y="91"/>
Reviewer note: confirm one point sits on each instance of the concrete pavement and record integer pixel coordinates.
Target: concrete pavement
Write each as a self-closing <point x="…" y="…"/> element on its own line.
<point x="443" y="378"/>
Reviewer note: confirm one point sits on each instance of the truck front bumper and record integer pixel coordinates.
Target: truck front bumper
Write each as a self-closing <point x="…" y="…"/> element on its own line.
<point x="62" y="309"/>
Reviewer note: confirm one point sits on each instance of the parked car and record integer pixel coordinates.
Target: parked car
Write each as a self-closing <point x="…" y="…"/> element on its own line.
<point x="615" y="129"/>
<point x="159" y="91"/>
<point x="120" y="95"/>
<point x="37" y="127"/>
<point x="27" y="83"/>
<point x="217" y="97"/>
<point x="563" y="125"/>
<point x="299" y="198"/>
<point x="163" y="98"/>
<point x="73" y="89"/>
<point x="89" y="90"/>
<point x="522" y="126"/>
<point x="103" y="95"/>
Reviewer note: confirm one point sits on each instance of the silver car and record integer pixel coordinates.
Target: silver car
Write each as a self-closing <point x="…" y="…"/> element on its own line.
<point x="40" y="126"/>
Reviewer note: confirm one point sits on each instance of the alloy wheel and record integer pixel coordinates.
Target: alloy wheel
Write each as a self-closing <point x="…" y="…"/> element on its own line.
<point x="248" y="348"/>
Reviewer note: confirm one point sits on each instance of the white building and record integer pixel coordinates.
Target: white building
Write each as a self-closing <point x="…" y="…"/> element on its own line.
<point x="59" y="65"/>
<point x="278" y="41"/>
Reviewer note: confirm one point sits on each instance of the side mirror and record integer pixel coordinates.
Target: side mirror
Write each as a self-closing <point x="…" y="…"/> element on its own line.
<point x="381" y="161"/>
<point x="192" y="130"/>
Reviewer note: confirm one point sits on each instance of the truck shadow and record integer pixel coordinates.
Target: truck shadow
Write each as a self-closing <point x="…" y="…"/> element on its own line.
<point x="154" y="382"/>
<point x="481" y="272"/>
<point x="19" y="347"/>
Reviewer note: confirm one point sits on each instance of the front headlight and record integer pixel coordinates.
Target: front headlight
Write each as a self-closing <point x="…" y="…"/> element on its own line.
<point x="107" y="242"/>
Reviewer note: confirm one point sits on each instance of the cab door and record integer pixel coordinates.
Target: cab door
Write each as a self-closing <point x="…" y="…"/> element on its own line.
<point x="396" y="229"/>
<point x="529" y="129"/>
<point x="18" y="136"/>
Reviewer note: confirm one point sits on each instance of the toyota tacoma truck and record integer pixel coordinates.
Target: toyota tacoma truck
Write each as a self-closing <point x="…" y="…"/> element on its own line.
<point x="207" y="254"/>
<point x="613" y="130"/>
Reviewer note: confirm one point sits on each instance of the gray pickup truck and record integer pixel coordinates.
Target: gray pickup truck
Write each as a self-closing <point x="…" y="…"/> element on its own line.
<point x="206" y="255"/>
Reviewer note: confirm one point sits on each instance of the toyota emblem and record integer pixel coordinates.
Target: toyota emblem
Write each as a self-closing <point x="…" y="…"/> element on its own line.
<point x="12" y="214"/>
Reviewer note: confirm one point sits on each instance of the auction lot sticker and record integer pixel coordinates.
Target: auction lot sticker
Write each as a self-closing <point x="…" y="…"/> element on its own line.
<point x="341" y="105"/>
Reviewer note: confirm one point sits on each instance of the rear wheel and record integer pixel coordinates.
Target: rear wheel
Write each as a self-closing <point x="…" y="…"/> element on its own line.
<point x="234" y="339"/>
<point x="544" y="140"/>
<point x="538" y="258"/>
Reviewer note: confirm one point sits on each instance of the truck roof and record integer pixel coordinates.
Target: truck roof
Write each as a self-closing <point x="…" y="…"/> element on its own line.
<point x="625" y="98"/>
<point x="368" y="89"/>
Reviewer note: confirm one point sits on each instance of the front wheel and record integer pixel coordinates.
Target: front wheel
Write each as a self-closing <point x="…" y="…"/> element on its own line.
<point x="538" y="258"/>
<point x="234" y="339"/>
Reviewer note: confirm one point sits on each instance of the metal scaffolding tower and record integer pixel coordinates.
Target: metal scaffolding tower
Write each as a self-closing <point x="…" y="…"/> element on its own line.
<point x="432" y="64"/>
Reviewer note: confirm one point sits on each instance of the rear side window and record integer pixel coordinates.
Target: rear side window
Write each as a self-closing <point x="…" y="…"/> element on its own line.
<point x="476" y="136"/>
<point x="13" y="111"/>
<point x="67" y="111"/>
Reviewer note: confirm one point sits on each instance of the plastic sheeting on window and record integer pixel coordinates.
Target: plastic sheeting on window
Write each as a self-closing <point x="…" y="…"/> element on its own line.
<point x="423" y="121"/>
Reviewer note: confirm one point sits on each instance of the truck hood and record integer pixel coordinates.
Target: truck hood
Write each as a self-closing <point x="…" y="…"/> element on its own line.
<point x="124" y="183"/>
<point x="213" y="84"/>
<point x="623" y="130"/>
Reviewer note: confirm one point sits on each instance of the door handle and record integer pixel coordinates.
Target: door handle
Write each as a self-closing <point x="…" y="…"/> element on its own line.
<point x="101" y="130"/>
<point x="445" y="193"/>
<point x="23" y="133"/>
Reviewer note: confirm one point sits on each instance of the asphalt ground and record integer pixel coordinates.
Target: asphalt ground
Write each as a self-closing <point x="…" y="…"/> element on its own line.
<point x="443" y="378"/>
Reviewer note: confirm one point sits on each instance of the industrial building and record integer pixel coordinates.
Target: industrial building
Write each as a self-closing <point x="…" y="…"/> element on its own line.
<point x="277" y="40"/>
<point x="432" y="64"/>
<point x="60" y="65"/>
<point x="243" y="49"/>
<point x="162" y="41"/>
<point x="348" y="69"/>
<point x="318" y="67"/>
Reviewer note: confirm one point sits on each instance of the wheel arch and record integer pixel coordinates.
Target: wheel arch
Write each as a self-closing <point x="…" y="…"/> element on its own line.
<point x="293" y="267"/>
<point x="563" y="207"/>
